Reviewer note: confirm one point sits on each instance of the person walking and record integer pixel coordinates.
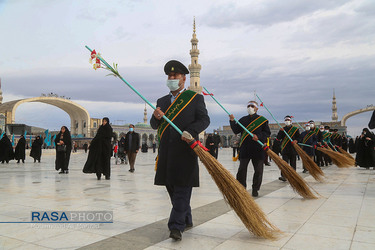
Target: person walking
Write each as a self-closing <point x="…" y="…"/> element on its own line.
<point x="36" y="149"/>
<point x="6" y="149"/>
<point x="288" y="152"/>
<point x="132" y="146"/>
<point x="210" y="145"/>
<point x="63" y="143"/>
<point x="100" y="151"/>
<point x="250" y="149"/>
<point x="177" y="165"/>
<point x="19" y="152"/>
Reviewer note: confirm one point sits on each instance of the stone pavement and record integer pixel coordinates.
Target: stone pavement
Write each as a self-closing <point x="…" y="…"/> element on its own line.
<point x="343" y="218"/>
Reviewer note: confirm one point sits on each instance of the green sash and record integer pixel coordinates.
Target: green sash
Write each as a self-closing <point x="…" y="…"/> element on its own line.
<point x="335" y="136"/>
<point x="308" y="135"/>
<point x="326" y="136"/>
<point x="291" y="132"/>
<point x="252" y="127"/>
<point x="316" y="130"/>
<point x="181" y="101"/>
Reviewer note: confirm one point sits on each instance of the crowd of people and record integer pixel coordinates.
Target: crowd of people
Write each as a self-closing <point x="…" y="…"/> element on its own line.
<point x="177" y="165"/>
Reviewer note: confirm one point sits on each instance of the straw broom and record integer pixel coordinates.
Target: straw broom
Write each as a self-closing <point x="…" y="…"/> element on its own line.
<point x="338" y="159"/>
<point x="295" y="180"/>
<point x="346" y="154"/>
<point x="234" y="193"/>
<point x="349" y="161"/>
<point x="309" y="164"/>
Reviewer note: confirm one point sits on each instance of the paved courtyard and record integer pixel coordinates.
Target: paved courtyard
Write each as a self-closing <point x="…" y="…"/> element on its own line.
<point x="343" y="218"/>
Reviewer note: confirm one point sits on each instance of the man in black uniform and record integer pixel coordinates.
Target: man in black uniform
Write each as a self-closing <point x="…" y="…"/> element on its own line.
<point x="319" y="138"/>
<point x="288" y="152"/>
<point x="336" y="139"/>
<point x="177" y="164"/>
<point x="250" y="149"/>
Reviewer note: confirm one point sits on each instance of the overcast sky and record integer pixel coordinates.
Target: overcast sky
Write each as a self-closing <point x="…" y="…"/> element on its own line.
<point x="293" y="53"/>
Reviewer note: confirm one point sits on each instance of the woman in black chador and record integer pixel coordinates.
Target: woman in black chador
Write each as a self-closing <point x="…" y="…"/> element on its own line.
<point x="36" y="149"/>
<point x="19" y="153"/>
<point x="63" y="144"/>
<point x="100" y="151"/>
<point x="6" y="150"/>
<point x="365" y="157"/>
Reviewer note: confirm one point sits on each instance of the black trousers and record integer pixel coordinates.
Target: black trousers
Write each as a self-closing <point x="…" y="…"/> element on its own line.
<point x="258" y="172"/>
<point x="181" y="211"/>
<point x="291" y="159"/>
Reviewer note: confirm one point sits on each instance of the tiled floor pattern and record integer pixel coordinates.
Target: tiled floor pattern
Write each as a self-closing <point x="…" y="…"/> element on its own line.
<point x="343" y="218"/>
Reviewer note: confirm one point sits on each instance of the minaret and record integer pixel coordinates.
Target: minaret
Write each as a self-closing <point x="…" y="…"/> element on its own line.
<point x="194" y="67"/>
<point x="145" y="115"/>
<point x="334" y="108"/>
<point x="1" y="93"/>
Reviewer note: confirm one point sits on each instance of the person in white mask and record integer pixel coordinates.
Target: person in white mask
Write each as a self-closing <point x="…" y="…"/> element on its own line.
<point x="250" y="149"/>
<point x="288" y="152"/>
<point x="308" y="137"/>
<point x="177" y="165"/>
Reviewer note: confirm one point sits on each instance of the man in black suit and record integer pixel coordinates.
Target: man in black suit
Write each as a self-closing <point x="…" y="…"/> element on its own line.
<point x="132" y="146"/>
<point x="250" y="149"/>
<point x="177" y="164"/>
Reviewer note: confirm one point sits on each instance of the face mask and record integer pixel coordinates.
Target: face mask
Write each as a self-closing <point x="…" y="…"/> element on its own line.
<point x="131" y="129"/>
<point x="321" y="129"/>
<point x="288" y="123"/>
<point x="326" y="130"/>
<point x="250" y="110"/>
<point x="312" y="125"/>
<point x="173" y="84"/>
<point x="307" y="128"/>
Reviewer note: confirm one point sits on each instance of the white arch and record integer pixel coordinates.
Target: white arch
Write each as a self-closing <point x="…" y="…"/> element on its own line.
<point x="356" y="112"/>
<point x="76" y="112"/>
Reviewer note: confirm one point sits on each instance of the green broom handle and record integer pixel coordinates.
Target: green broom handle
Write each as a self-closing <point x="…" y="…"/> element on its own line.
<point x="300" y="126"/>
<point x="139" y="94"/>
<point x="242" y="126"/>
<point x="274" y="118"/>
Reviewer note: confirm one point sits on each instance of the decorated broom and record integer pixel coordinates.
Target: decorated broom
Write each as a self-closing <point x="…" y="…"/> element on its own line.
<point x="234" y="193"/>
<point x="309" y="164"/>
<point x="296" y="181"/>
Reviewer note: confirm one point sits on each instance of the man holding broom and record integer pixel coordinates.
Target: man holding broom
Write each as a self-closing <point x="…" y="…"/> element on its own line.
<point x="177" y="164"/>
<point x="308" y="137"/>
<point x="288" y="152"/>
<point x="250" y="149"/>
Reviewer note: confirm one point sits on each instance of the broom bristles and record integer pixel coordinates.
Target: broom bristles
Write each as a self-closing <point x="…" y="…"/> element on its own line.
<point x="338" y="159"/>
<point x="238" y="198"/>
<point x="309" y="164"/>
<point x="295" y="180"/>
<point x="347" y="155"/>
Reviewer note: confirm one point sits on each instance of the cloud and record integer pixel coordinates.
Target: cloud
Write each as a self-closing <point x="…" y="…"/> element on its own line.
<point x="264" y="13"/>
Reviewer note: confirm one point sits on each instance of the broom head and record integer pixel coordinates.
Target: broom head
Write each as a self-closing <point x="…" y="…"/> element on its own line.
<point x="309" y="164"/>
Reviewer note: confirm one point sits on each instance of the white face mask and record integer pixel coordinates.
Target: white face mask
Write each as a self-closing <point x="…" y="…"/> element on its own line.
<point x="288" y="123"/>
<point x="250" y="110"/>
<point x="312" y="125"/>
<point x="307" y="128"/>
<point x="322" y="129"/>
<point x="173" y="84"/>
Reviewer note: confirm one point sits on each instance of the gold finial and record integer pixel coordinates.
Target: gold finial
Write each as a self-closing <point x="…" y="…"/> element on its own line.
<point x="194" y="26"/>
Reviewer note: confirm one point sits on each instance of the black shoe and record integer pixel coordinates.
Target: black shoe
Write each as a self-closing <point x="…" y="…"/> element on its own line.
<point x="175" y="234"/>
<point x="23" y="161"/>
<point x="254" y="193"/>
<point x="66" y="171"/>
<point x="267" y="164"/>
<point x="304" y="171"/>
<point x="131" y="170"/>
<point x="282" y="178"/>
<point x="62" y="172"/>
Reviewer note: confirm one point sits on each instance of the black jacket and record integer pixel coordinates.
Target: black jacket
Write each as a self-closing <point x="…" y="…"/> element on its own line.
<point x="311" y="141"/>
<point x="135" y="143"/>
<point x="19" y="153"/>
<point x="288" y="149"/>
<point x="177" y="162"/>
<point x="250" y="148"/>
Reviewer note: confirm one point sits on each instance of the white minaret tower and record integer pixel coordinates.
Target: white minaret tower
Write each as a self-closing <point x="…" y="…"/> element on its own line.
<point x="145" y="115"/>
<point x="1" y="93"/>
<point x="334" y="108"/>
<point x="195" y="67"/>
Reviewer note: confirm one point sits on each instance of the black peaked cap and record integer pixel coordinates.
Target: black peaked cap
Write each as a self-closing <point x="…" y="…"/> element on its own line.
<point x="175" y="66"/>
